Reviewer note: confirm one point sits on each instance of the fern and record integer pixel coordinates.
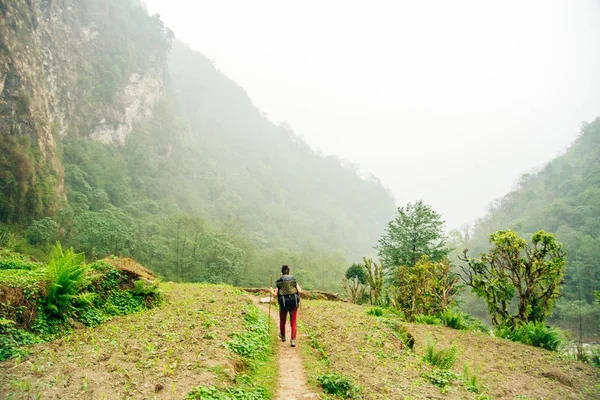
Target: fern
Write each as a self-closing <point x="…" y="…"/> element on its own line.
<point x="66" y="276"/>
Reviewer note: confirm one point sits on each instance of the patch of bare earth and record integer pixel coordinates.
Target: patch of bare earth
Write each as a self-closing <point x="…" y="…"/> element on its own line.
<point x="159" y="354"/>
<point x="346" y="339"/>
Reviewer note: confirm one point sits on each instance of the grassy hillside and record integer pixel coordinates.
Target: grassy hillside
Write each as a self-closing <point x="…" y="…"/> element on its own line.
<point x="161" y="157"/>
<point x="200" y="337"/>
<point x="373" y="352"/>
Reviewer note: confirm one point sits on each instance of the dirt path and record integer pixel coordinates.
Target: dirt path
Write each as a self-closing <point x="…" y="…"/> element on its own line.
<point x="292" y="380"/>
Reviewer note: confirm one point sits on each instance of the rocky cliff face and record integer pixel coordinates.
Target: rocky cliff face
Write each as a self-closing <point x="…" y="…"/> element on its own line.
<point x="90" y="68"/>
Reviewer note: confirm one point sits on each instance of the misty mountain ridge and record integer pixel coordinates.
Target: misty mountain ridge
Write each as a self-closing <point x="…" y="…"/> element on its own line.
<point x="128" y="139"/>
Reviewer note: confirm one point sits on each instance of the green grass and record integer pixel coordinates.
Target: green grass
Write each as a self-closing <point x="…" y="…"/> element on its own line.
<point x="441" y="358"/>
<point x="256" y="348"/>
<point x="375" y="311"/>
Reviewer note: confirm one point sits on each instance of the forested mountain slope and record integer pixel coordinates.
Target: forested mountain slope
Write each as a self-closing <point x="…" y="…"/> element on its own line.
<point x="117" y="139"/>
<point x="563" y="198"/>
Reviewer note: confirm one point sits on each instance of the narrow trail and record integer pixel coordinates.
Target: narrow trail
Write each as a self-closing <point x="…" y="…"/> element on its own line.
<point x="292" y="384"/>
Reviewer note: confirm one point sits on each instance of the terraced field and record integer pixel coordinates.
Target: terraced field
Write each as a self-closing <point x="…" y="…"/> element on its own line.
<point x="373" y="353"/>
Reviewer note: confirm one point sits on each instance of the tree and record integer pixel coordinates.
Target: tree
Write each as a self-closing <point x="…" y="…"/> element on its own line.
<point x="417" y="230"/>
<point x="374" y="279"/>
<point x="428" y="287"/>
<point x="42" y="231"/>
<point x="354" y="282"/>
<point x="533" y="273"/>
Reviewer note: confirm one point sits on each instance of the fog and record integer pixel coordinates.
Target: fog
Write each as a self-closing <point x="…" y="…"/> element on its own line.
<point x="449" y="102"/>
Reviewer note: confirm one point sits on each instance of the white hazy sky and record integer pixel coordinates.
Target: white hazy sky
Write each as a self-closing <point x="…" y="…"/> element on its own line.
<point x="445" y="101"/>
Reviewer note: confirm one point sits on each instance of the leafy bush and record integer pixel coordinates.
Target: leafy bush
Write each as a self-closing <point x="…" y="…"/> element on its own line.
<point x="10" y="260"/>
<point x="459" y="320"/>
<point x="376" y="311"/>
<point x="427" y="319"/>
<point x="453" y="319"/>
<point x="595" y="356"/>
<point x="66" y="275"/>
<point x="12" y="339"/>
<point x="533" y="333"/>
<point x="337" y="384"/>
<point x="442" y="358"/>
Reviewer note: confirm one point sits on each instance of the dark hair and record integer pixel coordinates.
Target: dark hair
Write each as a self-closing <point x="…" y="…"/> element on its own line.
<point x="285" y="270"/>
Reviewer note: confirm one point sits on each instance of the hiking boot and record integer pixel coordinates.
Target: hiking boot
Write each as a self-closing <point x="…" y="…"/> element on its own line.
<point x="293" y="342"/>
<point x="282" y="337"/>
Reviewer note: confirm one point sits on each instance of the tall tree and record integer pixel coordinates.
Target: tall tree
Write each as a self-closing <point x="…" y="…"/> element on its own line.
<point x="416" y="231"/>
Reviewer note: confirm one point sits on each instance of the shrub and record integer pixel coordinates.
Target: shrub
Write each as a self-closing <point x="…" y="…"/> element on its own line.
<point x="442" y="358"/>
<point x="427" y="319"/>
<point x="66" y="275"/>
<point x="453" y="319"/>
<point x="340" y="385"/>
<point x="474" y="324"/>
<point x="471" y="379"/>
<point x="595" y="356"/>
<point x="533" y="333"/>
<point x="376" y="311"/>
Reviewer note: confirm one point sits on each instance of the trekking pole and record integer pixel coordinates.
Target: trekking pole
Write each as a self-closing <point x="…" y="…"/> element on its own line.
<point x="269" y="321"/>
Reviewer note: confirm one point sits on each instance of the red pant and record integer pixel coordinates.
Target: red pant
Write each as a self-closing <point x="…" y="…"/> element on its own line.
<point x="283" y="316"/>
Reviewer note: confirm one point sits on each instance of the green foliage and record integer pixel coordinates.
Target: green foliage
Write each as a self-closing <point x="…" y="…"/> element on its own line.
<point x="563" y="197"/>
<point x="427" y="319"/>
<point x="453" y="319"/>
<point x="470" y="379"/>
<point x="416" y="231"/>
<point x="28" y="180"/>
<point x="441" y="358"/>
<point x="253" y="342"/>
<point x="339" y="385"/>
<point x="11" y="260"/>
<point x="514" y="269"/>
<point x="91" y="295"/>
<point x="42" y="231"/>
<point x="473" y="324"/>
<point x="374" y="278"/>
<point x="594" y="358"/>
<point x="230" y="393"/>
<point x="66" y="276"/>
<point x="13" y="339"/>
<point x="441" y="378"/>
<point x="357" y="271"/>
<point x="6" y="237"/>
<point x="428" y="287"/>
<point x="375" y="311"/>
<point x="535" y="334"/>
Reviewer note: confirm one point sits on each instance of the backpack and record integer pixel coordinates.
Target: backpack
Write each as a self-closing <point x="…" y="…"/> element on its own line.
<point x="288" y="298"/>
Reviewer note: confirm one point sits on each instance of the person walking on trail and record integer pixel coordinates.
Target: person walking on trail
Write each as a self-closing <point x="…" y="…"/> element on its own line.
<point x="287" y="292"/>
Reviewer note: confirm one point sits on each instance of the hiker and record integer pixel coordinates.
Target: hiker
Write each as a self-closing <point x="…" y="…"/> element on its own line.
<point x="287" y="292"/>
